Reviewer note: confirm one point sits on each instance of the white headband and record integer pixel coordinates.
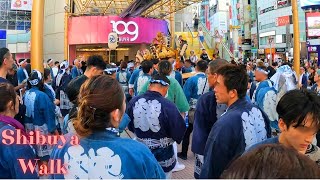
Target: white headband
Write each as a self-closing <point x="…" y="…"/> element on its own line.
<point x="35" y="82"/>
<point x="263" y="71"/>
<point x="20" y="63"/>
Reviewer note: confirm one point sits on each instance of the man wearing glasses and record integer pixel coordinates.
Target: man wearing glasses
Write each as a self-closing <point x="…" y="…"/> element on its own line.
<point x="157" y="122"/>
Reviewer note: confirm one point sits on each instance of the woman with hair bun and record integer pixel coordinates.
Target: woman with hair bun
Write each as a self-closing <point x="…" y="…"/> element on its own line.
<point x="101" y="154"/>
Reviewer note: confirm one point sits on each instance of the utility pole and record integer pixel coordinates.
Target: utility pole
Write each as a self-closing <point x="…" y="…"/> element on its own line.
<point x="37" y="17"/>
<point x="296" y="36"/>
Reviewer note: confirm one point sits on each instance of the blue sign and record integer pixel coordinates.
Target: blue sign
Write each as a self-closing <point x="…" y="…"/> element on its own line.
<point x="305" y="3"/>
<point x="3" y="34"/>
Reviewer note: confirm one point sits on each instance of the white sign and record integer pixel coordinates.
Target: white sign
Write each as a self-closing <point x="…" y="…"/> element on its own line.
<point x="113" y="41"/>
<point x="25" y="5"/>
<point x="135" y="32"/>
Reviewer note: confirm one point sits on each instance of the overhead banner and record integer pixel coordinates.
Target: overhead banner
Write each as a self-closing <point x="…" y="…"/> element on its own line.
<point x="25" y="5"/>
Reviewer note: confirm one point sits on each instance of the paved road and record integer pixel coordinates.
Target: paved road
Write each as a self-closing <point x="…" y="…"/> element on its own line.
<point x="187" y="173"/>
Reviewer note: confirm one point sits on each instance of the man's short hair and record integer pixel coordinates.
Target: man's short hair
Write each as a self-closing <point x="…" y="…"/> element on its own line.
<point x="235" y="77"/>
<point x="216" y="64"/>
<point x="165" y="67"/>
<point x="96" y="61"/>
<point x="146" y="66"/>
<point x="296" y="105"/>
<point x="4" y="53"/>
<point x="202" y="65"/>
<point x="56" y="62"/>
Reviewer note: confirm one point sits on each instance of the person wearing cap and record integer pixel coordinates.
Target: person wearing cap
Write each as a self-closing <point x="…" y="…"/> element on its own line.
<point x="194" y="87"/>
<point x="22" y="72"/>
<point x="40" y="115"/>
<point x="76" y="70"/>
<point x="193" y="57"/>
<point x="157" y="122"/>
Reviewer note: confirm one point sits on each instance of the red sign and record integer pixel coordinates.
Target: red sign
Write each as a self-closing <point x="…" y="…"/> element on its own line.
<point x="282" y="21"/>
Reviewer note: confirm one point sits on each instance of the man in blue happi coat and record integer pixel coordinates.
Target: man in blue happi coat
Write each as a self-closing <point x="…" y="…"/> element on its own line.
<point x="157" y="122"/>
<point x="194" y="87"/>
<point x="147" y="69"/>
<point x="206" y="114"/>
<point x="241" y="126"/>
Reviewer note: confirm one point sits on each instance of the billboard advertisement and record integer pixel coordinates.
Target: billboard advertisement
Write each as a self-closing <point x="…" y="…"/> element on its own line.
<point x="305" y="3"/>
<point x="95" y="29"/>
<point x="282" y="21"/>
<point x="313" y="24"/>
<point x="25" y="5"/>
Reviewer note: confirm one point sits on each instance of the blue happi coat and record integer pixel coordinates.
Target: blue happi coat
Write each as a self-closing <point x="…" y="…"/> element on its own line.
<point x="22" y="75"/>
<point x="104" y="155"/>
<point x="140" y="82"/>
<point x="242" y="126"/>
<point x="40" y="116"/>
<point x="266" y="100"/>
<point x="177" y="75"/>
<point x="75" y="72"/>
<point x="157" y="123"/>
<point x="260" y="85"/>
<point x="9" y="154"/>
<point x="187" y="69"/>
<point x="194" y="87"/>
<point x="206" y="114"/>
<point x="134" y="76"/>
<point x="123" y="78"/>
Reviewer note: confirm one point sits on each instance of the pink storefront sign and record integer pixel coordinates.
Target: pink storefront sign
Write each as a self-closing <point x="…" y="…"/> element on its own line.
<point x="95" y="29"/>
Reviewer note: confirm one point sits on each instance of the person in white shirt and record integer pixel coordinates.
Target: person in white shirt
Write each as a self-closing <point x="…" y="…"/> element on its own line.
<point x="55" y="69"/>
<point x="201" y="36"/>
<point x="193" y="58"/>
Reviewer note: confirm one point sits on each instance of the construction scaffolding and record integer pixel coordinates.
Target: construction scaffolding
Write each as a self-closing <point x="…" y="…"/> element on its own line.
<point x="13" y="19"/>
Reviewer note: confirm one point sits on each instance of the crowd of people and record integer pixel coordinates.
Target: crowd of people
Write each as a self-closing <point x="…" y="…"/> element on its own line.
<point x="247" y="120"/>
